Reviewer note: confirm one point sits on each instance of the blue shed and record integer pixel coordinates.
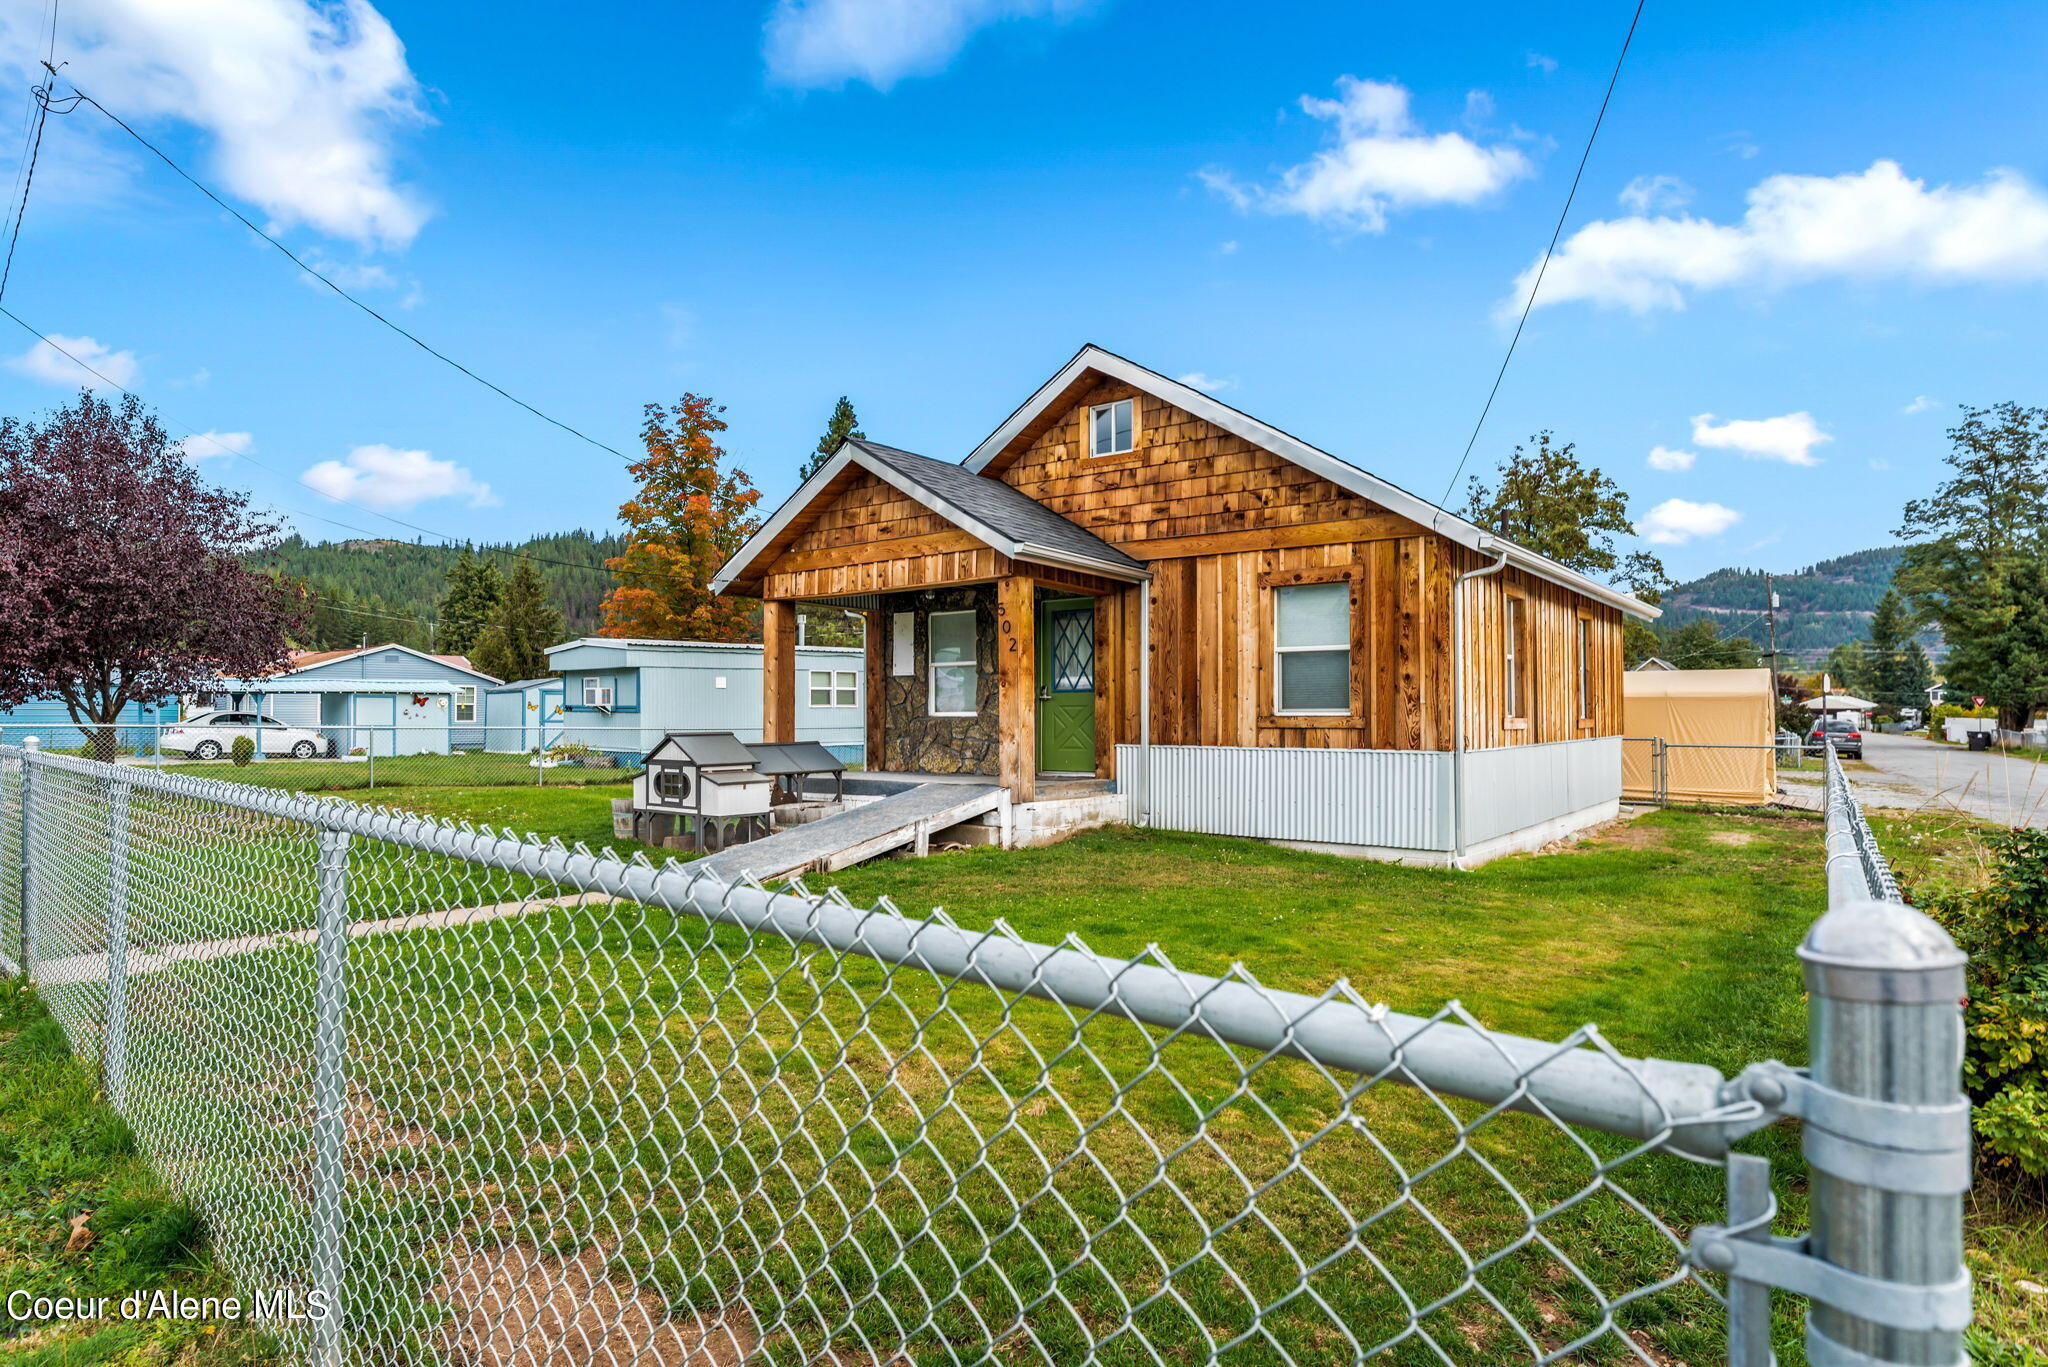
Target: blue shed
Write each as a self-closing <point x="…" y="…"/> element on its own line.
<point x="386" y="699"/>
<point x="622" y="694"/>
<point x="523" y="715"/>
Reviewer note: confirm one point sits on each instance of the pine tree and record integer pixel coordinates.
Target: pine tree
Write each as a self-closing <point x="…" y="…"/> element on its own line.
<point x="687" y="520"/>
<point x="842" y="425"/>
<point x="474" y="588"/>
<point x="514" y="645"/>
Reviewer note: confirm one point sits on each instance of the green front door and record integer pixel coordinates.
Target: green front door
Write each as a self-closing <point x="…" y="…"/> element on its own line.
<point x="1066" y="685"/>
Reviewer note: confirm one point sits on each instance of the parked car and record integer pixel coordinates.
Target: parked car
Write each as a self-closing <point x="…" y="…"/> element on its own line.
<point x="210" y="735"/>
<point x="1844" y="733"/>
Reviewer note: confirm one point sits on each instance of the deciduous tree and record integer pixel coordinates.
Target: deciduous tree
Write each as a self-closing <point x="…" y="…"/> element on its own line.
<point x="691" y="513"/>
<point x="1543" y="498"/>
<point x="121" y="571"/>
<point x="1980" y="568"/>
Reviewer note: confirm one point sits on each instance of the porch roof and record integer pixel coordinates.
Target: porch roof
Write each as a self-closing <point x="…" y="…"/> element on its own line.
<point x="990" y="510"/>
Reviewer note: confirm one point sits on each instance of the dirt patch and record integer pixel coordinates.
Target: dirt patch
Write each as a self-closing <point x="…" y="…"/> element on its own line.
<point x="1630" y="835"/>
<point x="1732" y="837"/>
<point x="516" y="1306"/>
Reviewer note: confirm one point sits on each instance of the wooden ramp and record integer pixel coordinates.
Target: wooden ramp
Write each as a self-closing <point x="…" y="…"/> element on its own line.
<point x="848" y="837"/>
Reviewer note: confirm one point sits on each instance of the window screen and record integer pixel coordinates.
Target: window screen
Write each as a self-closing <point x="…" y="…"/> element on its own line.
<point x="952" y="663"/>
<point x="1312" y="646"/>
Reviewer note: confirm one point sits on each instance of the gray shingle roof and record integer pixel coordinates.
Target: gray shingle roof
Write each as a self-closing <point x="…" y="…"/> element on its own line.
<point x="1009" y="511"/>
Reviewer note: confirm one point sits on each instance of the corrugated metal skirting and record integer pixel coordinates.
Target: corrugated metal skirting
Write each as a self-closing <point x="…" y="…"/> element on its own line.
<point x="1394" y="798"/>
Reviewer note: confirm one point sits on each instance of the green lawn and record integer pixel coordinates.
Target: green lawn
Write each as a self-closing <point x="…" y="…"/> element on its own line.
<point x="64" y="1155"/>
<point x="355" y="774"/>
<point x="524" y="1068"/>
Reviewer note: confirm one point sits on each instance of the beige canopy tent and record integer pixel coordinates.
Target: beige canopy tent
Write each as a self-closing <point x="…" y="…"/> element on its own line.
<point x="1717" y="729"/>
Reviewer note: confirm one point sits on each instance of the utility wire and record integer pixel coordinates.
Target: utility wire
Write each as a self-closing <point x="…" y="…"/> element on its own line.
<point x="1543" y="266"/>
<point x="300" y="262"/>
<point x="29" y="178"/>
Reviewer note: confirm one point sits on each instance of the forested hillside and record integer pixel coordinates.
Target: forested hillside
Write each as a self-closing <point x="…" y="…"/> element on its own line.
<point x="1820" y="607"/>
<point x="388" y="589"/>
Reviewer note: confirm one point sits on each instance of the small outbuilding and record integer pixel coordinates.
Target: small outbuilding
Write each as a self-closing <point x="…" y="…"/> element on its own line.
<point x="1699" y="735"/>
<point x="707" y="780"/>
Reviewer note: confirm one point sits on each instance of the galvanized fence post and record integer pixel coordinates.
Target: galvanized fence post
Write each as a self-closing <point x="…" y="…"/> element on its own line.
<point x="29" y="746"/>
<point x="1887" y="1137"/>
<point x="330" y="1094"/>
<point x="114" y="1044"/>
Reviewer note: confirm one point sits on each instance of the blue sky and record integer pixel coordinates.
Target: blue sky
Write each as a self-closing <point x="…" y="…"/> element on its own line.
<point x="1805" y="235"/>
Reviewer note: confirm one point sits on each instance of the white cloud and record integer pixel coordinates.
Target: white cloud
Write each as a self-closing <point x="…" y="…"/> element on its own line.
<point x="209" y="445"/>
<point x="1664" y="458"/>
<point x="1538" y="62"/>
<point x="830" y="42"/>
<point x="1651" y="194"/>
<point x="1872" y="224"/>
<point x="1790" y="438"/>
<point x="300" y="101"/>
<point x="382" y="476"/>
<point x="1226" y="248"/>
<point x="49" y="363"/>
<point x="1921" y="404"/>
<point x="1208" y="384"/>
<point x="1676" y="521"/>
<point x="1380" y="161"/>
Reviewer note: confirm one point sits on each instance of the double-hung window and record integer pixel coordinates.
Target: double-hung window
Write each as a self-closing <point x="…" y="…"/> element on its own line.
<point x="1514" y="662"/>
<point x="951" y="635"/>
<point x="832" y="688"/>
<point x="1312" y="650"/>
<point x="465" y="703"/>
<point x="596" y="692"/>
<point x="1112" y="427"/>
<point x="1585" y="668"/>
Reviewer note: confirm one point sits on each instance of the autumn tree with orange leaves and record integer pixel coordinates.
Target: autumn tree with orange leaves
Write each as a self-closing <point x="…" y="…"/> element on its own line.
<point x="689" y="517"/>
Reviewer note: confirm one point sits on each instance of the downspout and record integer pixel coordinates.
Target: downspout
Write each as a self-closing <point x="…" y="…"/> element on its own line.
<point x="1145" y="705"/>
<point x="1458" y="696"/>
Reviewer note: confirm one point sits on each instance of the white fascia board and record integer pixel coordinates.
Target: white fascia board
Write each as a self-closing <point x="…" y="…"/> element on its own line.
<point x="1341" y="473"/>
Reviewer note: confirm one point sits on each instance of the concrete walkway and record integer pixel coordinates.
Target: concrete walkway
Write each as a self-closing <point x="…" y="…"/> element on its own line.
<point x="1923" y="774"/>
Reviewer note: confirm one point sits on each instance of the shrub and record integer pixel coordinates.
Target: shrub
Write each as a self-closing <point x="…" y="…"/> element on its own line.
<point x="1947" y="710"/>
<point x="242" y="751"/>
<point x="2003" y="926"/>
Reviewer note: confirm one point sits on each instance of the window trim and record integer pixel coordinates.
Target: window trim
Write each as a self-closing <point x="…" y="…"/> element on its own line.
<point x="1088" y="428"/>
<point x="1585" y="630"/>
<point x="973" y="664"/>
<point x="461" y="689"/>
<point x="1515" y="659"/>
<point x="838" y="694"/>
<point x="593" y="683"/>
<point x="1271" y="713"/>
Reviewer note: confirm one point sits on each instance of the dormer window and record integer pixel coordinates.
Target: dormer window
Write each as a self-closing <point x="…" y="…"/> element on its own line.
<point x="1111" y="427"/>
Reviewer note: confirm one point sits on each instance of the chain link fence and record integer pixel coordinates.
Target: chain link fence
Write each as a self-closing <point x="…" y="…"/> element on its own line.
<point x="451" y="1096"/>
<point x="341" y="758"/>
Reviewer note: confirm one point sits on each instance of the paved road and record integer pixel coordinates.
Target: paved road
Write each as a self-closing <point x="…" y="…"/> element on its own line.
<point x="1919" y="773"/>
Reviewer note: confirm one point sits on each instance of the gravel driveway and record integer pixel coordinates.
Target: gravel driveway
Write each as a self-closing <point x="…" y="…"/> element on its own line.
<point x="1921" y="773"/>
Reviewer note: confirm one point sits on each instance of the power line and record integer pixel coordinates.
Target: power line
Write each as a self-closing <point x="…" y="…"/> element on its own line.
<point x="29" y="179"/>
<point x="296" y="260"/>
<point x="1543" y="266"/>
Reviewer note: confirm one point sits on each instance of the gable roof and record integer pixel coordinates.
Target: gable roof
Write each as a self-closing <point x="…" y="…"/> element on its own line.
<point x="313" y="659"/>
<point x="1072" y="377"/>
<point x="994" y="513"/>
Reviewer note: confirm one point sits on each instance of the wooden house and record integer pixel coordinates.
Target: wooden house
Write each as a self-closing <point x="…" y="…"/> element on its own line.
<point x="1134" y="582"/>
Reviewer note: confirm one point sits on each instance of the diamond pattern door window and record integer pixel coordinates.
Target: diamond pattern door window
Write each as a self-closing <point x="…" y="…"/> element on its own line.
<point x="1073" y="650"/>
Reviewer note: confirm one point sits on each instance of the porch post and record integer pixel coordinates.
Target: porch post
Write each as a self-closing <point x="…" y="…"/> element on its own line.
<point x="1016" y="685"/>
<point x="877" y="685"/>
<point x="778" y="670"/>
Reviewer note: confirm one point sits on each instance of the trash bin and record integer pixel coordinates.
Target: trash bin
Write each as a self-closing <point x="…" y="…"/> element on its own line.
<point x="1980" y="740"/>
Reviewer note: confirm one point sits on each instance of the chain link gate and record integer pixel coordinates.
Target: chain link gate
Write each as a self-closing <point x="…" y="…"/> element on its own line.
<point x="452" y="1096"/>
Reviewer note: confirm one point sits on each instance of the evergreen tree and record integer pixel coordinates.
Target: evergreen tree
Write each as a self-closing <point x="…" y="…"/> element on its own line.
<point x="1699" y="644"/>
<point x="1980" y="571"/>
<point x="474" y="588"/>
<point x="688" y="518"/>
<point x="842" y="425"/>
<point x="1891" y="633"/>
<point x="514" y="644"/>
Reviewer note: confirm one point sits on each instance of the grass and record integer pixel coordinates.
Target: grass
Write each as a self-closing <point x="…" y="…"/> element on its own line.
<point x="63" y="1155"/>
<point x="469" y="768"/>
<point x="525" y="1084"/>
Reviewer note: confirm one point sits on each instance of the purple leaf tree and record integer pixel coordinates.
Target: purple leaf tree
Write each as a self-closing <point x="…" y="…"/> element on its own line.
<point x="122" y="578"/>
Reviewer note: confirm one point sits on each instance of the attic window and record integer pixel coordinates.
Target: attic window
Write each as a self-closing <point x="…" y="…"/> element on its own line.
<point x="1111" y="427"/>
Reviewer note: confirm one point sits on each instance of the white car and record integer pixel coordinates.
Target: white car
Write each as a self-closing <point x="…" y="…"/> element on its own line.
<point x="211" y="735"/>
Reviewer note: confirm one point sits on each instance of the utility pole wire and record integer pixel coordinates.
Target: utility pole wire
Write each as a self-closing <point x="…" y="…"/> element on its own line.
<point x="1544" y="265"/>
<point x="296" y="260"/>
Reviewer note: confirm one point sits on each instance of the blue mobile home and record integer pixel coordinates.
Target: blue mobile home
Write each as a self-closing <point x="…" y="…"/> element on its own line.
<point x="523" y="715"/>
<point x="620" y="695"/>
<point x="50" y="723"/>
<point x="390" y="699"/>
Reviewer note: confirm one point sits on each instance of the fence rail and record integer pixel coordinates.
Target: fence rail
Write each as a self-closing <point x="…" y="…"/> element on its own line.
<point x="493" y="1100"/>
